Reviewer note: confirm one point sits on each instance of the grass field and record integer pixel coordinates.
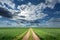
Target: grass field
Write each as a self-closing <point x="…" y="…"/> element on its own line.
<point x="18" y="33"/>
<point x="11" y="33"/>
<point x="48" y="33"/>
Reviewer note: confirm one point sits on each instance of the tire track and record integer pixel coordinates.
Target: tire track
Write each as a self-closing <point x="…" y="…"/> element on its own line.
<point x="34" y="36"/>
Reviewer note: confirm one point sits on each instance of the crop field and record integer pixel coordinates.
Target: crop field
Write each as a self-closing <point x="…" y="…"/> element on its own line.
<point x="11" y="33"/>
<point x="48" y="33"/>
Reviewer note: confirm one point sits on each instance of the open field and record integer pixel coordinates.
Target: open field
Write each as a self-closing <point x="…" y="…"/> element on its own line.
<point x="11" y="33"/>
<point x="30" y="33"/>
<point x="48" y="33"/>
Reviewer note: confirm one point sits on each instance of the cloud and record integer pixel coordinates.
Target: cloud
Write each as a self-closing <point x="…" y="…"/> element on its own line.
<point x="5" y="13"/>
<point x="27" y="11"/>
<point x="57" y="12"/>
<point x="51" y="3"/>
<point x="4" y="22"/>
<point x="53" y="22"/>
<point x="22" y="0"/>
<point x="8" y="2"/>
<point x="0" y="16"/>
<point x="31" y="12"/>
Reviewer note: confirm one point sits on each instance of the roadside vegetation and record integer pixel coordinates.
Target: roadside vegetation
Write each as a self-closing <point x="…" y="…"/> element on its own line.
<point x="48" y="33"/>
<point x="11" y="33"/>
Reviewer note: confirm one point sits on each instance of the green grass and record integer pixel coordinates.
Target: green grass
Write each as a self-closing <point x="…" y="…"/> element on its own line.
<point x="48" y="34"/>
<point x="18" y="33"/>
<point x="31" y="37"/>
<point x="11" y="33"/>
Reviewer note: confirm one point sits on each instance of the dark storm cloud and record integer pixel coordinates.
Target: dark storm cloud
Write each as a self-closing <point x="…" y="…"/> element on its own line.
<point x="5" y="13"/>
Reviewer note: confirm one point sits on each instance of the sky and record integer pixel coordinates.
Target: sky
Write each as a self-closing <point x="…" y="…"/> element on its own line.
<point x="34" y="13"/>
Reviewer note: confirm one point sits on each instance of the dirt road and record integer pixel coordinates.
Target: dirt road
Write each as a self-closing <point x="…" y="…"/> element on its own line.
<point x="34" y="36"/>
<point x="26" y="37"/>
